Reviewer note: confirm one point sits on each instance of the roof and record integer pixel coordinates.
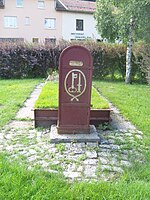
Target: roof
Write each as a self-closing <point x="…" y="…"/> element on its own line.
<point x="76" y="6"/>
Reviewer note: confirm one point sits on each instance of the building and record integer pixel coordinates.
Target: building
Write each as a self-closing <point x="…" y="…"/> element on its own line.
<point x="77" y="19"/>
<point x="47" y="21"/>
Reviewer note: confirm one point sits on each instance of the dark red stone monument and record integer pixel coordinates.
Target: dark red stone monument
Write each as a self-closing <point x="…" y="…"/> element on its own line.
<point x="75" y="82"/>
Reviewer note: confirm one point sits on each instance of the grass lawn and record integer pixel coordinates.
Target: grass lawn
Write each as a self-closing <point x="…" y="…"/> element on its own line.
<point x="12" y="95"/>
<point x="49" y="98"/>
<point x="17" y="182"/>
<point x="133" y="101"/>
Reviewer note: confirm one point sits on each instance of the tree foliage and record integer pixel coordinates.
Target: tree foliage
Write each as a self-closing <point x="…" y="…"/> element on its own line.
<point x="114" y="19"/>
<point x="124" y="20"/>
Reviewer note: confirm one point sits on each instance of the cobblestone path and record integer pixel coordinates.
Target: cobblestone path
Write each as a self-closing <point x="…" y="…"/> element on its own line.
<point x="76" y="161"/>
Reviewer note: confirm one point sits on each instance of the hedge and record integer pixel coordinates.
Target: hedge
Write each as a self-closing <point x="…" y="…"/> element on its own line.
<point x="29" y="61"/>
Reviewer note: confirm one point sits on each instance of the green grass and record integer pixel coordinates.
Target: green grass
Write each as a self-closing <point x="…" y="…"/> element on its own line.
<point x="132" y="100"/>
<point x="12" y="95"/>
<point x="49" y="98"/>
<point x="18" y="183"/>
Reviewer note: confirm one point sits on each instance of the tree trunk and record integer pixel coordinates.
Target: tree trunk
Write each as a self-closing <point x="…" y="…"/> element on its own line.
<point x="129" y="56"/>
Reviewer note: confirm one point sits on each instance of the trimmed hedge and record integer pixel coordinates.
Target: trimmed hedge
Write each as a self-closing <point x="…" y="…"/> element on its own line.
<point x="29" y="61"/>
<point x="26" y="61"/>
<point x="142" y="61"/>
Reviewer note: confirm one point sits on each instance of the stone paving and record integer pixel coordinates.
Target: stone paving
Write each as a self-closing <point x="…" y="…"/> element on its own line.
<point x="76" y="161"/>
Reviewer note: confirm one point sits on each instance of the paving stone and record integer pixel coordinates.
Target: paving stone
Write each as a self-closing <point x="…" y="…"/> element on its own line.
<point x="122" y="139"/>
<point x="104" y="154"/>
<point x="105" y="146"/>
<point x="92" y="145"/>
<point x="124" y="157"/>
<point x="71" y="167"/>
<point x="79" y="145"/>
<point x="45" y="164"/>
<point x="38" y="136"/>
<point x="9" y="148"/>
<point x="31" y="136"/>
<point x="104" y="160"/>
<point x="8" y="136"/>
<point x="32" y="158"/>
<point x="41" y="163"/>
<point x="128" y="134"/>
<point x="32" y="151"/>
<point x="91" y="154"/>
<point x="139" y="132"/>
<point x="90" y="161"/>
<point x="80" y="169"/>
<point x="1" y="147"/>
<point x="114" y="161"/>
<point x="139" y="137"/>
<point x="106" y="167"/>
<point x="72" y="175"/>
<point x="23" y="152"/>
<point x="52" y="150"/>
<point x="105" y="150"/>
<point x="117" y="169"/>
<point x="78" y="151"/>
<point x="90" y="171"/>
<point x="124" y="151"/>
<point x="104" y="142"/>
<point x="72" y="157"/>
<point x="125" y="163"/>
<point x="56" y="162"/>
<point x="111" y="141"/>
<point x="115" y="147"/>
<point x="1" y="136"/>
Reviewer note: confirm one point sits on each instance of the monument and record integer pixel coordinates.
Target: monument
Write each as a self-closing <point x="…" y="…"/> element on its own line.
<point x="75" y="82"/>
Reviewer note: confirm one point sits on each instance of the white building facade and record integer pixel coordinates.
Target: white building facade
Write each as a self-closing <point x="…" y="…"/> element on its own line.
<point x="70" y="30"/>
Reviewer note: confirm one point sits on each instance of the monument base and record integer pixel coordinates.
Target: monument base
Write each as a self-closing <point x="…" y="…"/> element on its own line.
<point x="79" y="138"/>
<point x="73" y="129"/>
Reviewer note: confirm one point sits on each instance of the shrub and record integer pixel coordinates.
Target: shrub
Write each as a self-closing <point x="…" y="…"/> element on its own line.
<point x="26" y="60"/>
<point x="142" y="61"/>
<point x="19" y="61"/>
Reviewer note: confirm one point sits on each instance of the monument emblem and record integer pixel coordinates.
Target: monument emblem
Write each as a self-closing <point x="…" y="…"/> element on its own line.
<point x="77" y="84"/>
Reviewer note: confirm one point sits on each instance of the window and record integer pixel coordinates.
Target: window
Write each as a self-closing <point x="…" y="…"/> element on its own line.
<point x="35" y="40"/>
<point x="10" y="22"/>
<point x="12" y="40"/>
<point x="50" y="23"/>
<point x="41" y="4"/>
<point x="79" y="24"/>
<point x="2" y="3"/>
<point x="50" y="41"/>
<point x="27" y="20"/>
<point x="19" y="3"/>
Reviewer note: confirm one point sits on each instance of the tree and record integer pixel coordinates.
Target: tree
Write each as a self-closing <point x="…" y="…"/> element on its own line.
<point x="126" y="21"/>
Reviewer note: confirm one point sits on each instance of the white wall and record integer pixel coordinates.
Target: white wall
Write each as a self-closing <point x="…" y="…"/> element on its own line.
<point x="69" y="26"/>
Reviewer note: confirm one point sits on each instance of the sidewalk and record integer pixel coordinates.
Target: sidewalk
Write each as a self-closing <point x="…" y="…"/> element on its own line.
<point x="80" y="161"/>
